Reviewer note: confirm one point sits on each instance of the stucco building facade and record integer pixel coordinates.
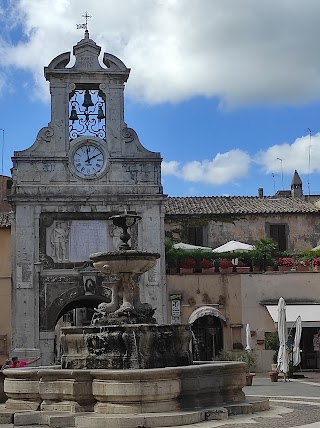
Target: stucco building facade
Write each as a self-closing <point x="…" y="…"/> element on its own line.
<point x="220" y="305"/>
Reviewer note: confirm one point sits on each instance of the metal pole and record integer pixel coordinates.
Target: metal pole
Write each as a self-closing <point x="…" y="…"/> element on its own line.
<point x="309" y="159"/>
<point x="281" y="160"/>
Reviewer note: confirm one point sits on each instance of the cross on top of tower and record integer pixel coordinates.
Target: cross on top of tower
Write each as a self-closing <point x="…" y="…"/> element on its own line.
<point x="85" y="26"/>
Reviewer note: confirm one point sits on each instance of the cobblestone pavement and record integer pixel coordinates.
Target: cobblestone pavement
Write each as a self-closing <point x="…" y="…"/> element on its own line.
<point x="300" y="414"/>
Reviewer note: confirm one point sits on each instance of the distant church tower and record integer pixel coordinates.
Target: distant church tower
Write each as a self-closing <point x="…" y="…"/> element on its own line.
<point x="296" y="186"/>
<point x="84" y="167"/>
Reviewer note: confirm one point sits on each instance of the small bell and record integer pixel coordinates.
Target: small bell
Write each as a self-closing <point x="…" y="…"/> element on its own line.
<point x="73" y="114"/>
<point x="100" y="113"/>
<point x="87" y="101"/>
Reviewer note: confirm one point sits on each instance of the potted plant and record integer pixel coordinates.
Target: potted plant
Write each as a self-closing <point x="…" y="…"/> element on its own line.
<point x="316" y="264"/>
<point x="242" y="268"/>
<point x="226" y="266"/>
<point x="246" y="357"/>
<point x="249" y="358"/>
<point x="172" y="260"/>
<point x="285" y="263"/>
<point x="272" y="343"/>
<point x="302" y="265"/>
<point x="263" y="252"/>
<point x="256" y="260"/>
<point x="206" y="266"/>
<point x="187" y="265"/>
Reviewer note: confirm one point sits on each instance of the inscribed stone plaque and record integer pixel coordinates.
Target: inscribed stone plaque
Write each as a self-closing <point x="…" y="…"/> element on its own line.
<point x="87" y="237"/>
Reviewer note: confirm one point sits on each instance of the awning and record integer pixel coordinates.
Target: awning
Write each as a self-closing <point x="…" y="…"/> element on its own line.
<point x="310" y="314"/>
<point x="203" y="311"/>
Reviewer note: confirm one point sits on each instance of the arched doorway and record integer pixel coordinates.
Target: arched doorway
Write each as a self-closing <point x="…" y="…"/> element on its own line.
<point x="207" y="333"/>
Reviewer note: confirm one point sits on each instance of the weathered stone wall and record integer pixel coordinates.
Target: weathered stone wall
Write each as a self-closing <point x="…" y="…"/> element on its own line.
<point x="303" y="229"/>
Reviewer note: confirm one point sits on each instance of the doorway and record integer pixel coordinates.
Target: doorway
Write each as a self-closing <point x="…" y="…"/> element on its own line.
<point x="207" y="338"/>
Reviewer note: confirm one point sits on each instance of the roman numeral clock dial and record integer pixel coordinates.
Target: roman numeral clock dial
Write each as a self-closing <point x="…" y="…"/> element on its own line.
<point x="88" y="160"/>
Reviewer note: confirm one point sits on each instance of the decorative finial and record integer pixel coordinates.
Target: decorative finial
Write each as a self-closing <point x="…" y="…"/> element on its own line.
<point x="85" y="26"/>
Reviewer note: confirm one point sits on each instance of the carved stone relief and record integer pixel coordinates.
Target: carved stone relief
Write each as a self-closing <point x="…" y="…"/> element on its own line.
<point x="57" y="242"/>
<point x="115" y="233"/>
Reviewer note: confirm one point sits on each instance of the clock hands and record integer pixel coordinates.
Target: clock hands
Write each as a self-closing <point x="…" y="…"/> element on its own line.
<point x="92" y="157"/>
<point x="87" y="150"/>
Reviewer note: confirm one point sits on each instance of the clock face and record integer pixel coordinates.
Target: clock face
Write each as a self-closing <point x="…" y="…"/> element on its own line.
<point x="88" y="160"/>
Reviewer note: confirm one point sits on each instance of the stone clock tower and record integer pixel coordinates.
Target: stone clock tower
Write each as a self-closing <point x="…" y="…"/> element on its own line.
<point x="85" y="166"/>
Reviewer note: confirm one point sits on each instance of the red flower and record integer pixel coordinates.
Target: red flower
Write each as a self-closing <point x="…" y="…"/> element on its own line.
<point x="316" y="261"/>
<point x="285" y="261"/>
<point x="188" y="263"/>
<point x="226" y="263"/>
<point x="206" y="264"/>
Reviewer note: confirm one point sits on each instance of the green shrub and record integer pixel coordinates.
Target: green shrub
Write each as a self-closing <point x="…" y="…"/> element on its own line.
<point x="272" y="341"/>
<point x="237" y="345"/>
<point x="246" y="357"/>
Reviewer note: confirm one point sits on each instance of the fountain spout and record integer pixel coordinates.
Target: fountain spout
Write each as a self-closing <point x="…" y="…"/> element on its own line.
<point x="125" y="221"/>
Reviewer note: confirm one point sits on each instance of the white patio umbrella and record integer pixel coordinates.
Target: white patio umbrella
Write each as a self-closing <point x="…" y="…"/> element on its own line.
<point x="296" y="344"/>
<point x="189" y="247"/>
<point x="248" y="338"/>
<point x="233" y="246"/>
<point x="282" y="360"/>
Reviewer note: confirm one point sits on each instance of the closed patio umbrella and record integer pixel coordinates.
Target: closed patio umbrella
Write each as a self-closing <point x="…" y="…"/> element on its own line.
<point x="189" y="247"/>
<point x="296" y="344"/>
<point x="248" y="338"/>
<point x="282" y="360"/>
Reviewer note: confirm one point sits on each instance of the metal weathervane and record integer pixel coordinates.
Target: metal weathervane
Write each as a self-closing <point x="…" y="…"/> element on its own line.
<point x="84" y="26"/>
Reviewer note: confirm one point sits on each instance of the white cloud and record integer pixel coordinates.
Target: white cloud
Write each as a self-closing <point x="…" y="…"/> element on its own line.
<point x="170" y="168"/>
<point x="243" y="52"/>
<point x="293" y="156"/>
<point x="224" y="168"/>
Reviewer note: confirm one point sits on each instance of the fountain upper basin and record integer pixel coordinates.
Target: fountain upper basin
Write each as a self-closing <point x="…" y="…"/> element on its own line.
<point x="128" y="261"/>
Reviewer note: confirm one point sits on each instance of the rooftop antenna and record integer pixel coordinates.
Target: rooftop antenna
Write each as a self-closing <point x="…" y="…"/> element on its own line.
<point x="309" y="160"/>
<point x="2" y="150"/>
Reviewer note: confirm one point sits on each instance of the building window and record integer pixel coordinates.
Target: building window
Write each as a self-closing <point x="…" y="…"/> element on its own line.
<point x="195" y="235"/>
<point x="279" y="233"/>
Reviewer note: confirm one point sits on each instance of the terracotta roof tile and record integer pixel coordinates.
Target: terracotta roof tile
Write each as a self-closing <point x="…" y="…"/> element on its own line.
<point x="215" y="205"/>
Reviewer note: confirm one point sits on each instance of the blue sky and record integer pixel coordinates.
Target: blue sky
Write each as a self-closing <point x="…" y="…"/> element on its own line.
<point x="221" y="88"/>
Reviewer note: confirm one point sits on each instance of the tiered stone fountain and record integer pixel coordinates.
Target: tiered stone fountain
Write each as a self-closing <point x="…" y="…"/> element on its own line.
<point x="124" y="369"/>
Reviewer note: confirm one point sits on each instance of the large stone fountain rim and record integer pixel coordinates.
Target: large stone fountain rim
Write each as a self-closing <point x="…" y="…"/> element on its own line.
<point x="123" y="255"/>
<point x="196" y="367"/>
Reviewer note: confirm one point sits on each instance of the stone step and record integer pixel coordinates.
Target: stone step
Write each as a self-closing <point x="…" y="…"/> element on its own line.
<point x="146" y="420"/>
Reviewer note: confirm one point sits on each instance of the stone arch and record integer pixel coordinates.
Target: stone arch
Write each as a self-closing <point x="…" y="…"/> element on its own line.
<point x="70" y="299"/>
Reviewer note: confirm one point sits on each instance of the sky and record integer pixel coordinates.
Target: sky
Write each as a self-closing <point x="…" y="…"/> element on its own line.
<point x="228" y="91"/>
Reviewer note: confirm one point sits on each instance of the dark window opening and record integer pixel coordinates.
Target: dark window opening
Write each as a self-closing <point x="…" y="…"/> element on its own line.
<point x="195" y="235"/>
<point x="278" y="234"/>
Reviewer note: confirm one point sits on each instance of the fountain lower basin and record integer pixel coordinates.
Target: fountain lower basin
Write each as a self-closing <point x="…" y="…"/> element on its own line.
<point x="170" y="389"/>
<point x="126" y="346"/>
